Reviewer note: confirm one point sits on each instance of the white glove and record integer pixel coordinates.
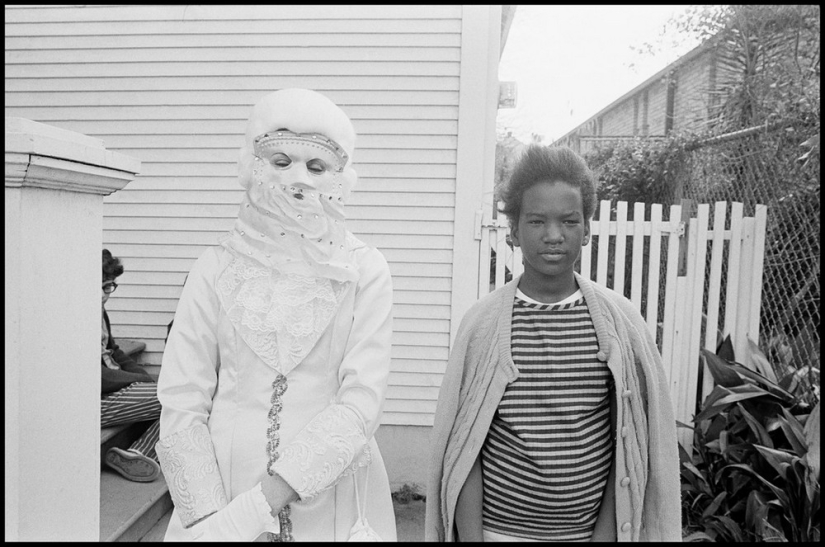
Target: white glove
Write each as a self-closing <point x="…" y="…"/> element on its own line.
<point x="244" y="519"/>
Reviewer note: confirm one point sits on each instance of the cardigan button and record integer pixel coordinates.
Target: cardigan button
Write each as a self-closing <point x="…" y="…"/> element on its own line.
<point x="625" y="481"/>
<point x="626" y="393"/>
<point x="626" y="527"/>
<point x="601" y="356"/>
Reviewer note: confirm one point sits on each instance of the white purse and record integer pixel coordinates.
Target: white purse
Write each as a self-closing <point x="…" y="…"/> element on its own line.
<point x="361" y="530"/>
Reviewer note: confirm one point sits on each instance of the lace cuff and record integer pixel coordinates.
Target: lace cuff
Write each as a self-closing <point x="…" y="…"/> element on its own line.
<point x="331" y="447"/>
<point x="191" y="470"/>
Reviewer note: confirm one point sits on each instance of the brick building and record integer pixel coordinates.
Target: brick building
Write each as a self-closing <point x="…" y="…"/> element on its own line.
<point x="677" y="97"/>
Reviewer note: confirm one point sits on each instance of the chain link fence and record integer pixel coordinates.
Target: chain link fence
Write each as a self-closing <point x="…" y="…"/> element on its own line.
<point x="762" y="166"/>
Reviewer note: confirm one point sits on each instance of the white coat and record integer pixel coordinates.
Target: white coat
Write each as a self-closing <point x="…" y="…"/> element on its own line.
<point x="210" y="376"/>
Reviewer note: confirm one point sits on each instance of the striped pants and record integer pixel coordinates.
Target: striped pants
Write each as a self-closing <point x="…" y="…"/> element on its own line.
<point x="137" y="402"/>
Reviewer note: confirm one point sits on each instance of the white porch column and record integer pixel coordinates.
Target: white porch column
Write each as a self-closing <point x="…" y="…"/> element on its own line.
<point x="475" y="163"/>
<point x="55" y="183"/>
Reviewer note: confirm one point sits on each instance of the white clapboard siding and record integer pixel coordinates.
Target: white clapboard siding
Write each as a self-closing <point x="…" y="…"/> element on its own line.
<point x="173" y="86"/>
<point x="689" y="320"/>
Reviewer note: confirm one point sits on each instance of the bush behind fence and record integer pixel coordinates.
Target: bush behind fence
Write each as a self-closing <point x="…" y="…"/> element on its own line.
<point x="754" y="166"/>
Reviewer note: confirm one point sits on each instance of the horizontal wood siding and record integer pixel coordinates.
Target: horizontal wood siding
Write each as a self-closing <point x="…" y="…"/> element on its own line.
<point x="173" y="86"/>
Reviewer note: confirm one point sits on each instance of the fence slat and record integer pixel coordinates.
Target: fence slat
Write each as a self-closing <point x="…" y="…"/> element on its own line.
<point x="518" y="265"/>
<point x="760" y="226"/>
<point x="697" y="257"/>
<point x="604" y="242"/>
<point x="654" y="269"/>
<point x="734" y="266"/>
<point x="621" y="245"/>
<point x="484" y="256"/>
<point x="637" y="268"/>
<point x="501" y="255"/>
<point x="743" y="309"/>
<point x="587" y="251"/>
<point x="670" y="319"/>
<point x="683" y="310"/>
<point x="714" y="288"/>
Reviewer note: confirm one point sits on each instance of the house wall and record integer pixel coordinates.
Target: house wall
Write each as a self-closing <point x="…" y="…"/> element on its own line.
<point x="643" y="111"/>
<point x="620" y="120"/>
<point x="657" y="107"/>
<point x="173" y="86"/>
<point x="692" y="99"/>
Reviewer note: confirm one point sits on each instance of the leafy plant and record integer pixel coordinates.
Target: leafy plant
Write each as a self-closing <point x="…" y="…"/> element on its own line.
<point x="754" y="472"/>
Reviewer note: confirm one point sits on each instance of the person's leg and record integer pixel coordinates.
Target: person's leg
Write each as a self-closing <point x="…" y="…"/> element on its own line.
<point x="146" y="443"/>
<point x="137" y="402"/>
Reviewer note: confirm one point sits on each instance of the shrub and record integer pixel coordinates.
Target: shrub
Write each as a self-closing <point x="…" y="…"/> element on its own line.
<point x="754" y="472"/>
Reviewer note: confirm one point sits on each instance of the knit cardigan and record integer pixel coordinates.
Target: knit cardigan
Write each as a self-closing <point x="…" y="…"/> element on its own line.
<point x="647" y="489"/>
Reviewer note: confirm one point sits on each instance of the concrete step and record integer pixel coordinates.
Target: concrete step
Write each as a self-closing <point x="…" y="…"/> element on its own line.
<point x="130" y="510"/>
<point x="409" y="520"/>
<point x="158" y="531"/>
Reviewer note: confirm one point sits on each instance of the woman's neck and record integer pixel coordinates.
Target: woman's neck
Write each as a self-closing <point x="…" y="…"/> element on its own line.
<point x="548" y="291"/>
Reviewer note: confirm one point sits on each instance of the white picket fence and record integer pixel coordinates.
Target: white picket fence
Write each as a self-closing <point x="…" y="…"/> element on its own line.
<point x="691" y="281"/>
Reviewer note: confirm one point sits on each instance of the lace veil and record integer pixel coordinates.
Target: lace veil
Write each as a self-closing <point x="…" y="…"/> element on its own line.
<point x="292" y="262"/>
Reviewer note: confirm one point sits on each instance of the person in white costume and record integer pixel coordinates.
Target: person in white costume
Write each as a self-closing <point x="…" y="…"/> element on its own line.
<point x="275" y="371"/>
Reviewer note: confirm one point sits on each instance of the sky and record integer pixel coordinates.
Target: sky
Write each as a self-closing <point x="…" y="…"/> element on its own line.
<point x="569" y="62"/>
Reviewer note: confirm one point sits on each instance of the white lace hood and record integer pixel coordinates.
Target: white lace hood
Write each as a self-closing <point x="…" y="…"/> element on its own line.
<point x="293" y="259"/>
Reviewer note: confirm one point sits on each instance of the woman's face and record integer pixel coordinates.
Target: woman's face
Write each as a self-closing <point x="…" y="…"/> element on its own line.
<point x="308" y="163"/>
<point x="298" y="179"/>
<point x="551" y="230"/>
<point x="107" y="288"/>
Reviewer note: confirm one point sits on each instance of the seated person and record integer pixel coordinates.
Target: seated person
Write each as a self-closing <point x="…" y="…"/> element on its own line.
<point x="129" y="394"/>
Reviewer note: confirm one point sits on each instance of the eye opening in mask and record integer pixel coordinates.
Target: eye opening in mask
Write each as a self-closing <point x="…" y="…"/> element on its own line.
<point x="280" y="160"/>
<point x="317" y="166"/>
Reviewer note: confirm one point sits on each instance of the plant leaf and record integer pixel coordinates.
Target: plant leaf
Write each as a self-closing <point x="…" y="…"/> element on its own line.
<point x="772" y="534"/>
<point x="725" y="349"/>
<point x="812" y="437"/>
<point x="714" y="505"/>
<point x="811" y="484"/>
<point x="720" y="370"/>
<point x="759" y="361"/>
<point x="775" y="389"/>
<point x="697" y="536"/>
<point x="778" y="492"/>
<point x="760" y="432"/>
<point x="794" y="432"/>
<point x="734" y="528"/>
<point x="742" y="393"/>
<point x="709" y="408"/>
<point x="755" y="510"/>
<point x="778" y="459"/>
<point x="723" y="443"/>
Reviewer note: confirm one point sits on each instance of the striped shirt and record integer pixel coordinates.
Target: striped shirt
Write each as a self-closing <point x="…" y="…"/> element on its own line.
<point x="548" y="452"/>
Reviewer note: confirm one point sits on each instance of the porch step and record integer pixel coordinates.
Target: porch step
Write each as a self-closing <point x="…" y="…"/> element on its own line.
<point x="158" y="531"/>
<point x="129" y="511"/>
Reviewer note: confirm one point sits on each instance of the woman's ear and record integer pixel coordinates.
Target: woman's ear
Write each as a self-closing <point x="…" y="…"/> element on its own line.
<point x="586" y="238"/>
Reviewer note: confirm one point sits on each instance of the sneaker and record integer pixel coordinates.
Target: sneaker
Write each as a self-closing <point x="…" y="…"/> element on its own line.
<point x="132" y="464"/>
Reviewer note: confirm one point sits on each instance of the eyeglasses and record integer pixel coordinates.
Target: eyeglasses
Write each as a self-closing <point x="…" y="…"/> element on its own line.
<point x="109" y="287"/>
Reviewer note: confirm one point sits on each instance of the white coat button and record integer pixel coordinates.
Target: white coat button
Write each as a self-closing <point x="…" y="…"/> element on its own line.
<point x="601" y="356"/>
<point x="626" y="393"/>
<point x="626" y="527"/>
<point x="625" y="481"/>
<point x="624" y="432"/>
